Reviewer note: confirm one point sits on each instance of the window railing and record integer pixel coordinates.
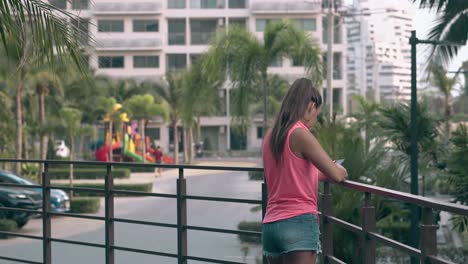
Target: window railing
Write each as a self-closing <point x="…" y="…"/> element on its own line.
<point x="367" y="230"/>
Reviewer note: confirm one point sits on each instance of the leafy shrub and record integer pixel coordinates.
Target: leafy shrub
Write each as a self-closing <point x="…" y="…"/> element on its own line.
<point x="256" y="175"/>
<point x="250" y="226"/>
<point x="137" y="187"/>
<point x="7" y="226"/>
<point x="85" y="205"/>
<point x="141" y="169"/>
<point x="88" y="173"/>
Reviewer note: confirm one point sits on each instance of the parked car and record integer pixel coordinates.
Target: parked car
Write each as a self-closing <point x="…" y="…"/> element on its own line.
<point x="61" y="150"/>
<point x="19" y="198"/>
<point x="59" y="200"/>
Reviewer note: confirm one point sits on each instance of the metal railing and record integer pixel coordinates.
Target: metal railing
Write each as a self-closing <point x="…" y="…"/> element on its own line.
<point x="367" y="231"/>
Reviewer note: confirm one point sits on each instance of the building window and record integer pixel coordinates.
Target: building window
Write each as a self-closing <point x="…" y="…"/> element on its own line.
<point x="297" y="61"/>
<point x="306" y="24"/>
<point x="259" y="132"/>
<point x="149" y="25"/>
<point x="176" y="62"/>
<point x="337" y="66"/>
<point x="176" y="29"/>
<point x="336" y="32"/>
<point x="61" y="4"/>
<point x="110" y="26"/>
<point x="110" y="62"/>
<point x="202" y="31"/>
<point x="234" y="4"/>
<point x="153" y="133"/>
<point x="206" y="4"/>
<point x="261" y="24"/>
<point x="240" y="22"/>
<point x="80" y="4"/>
<point x="176" y="4"/>
<point x="145" y="61"/>
<point x="194" y="58"/>
<point x="81" y="29"/>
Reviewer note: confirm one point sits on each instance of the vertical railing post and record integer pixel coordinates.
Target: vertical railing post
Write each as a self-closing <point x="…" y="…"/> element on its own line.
<point x="327" y="227"/>
<point x="46" y="222"/>
<point x="428" y="238"/>
<point x="181" y="218"/>
<point x="109" y="215"/>
<point x="368" y="225"/>
<point x="264" y="206"/>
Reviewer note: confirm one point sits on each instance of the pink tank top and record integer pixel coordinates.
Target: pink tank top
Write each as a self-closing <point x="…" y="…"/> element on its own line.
<point x="291" y="183"/>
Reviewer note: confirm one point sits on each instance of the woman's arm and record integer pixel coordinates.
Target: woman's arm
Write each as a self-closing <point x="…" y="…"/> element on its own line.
<point x="306" y="146"/>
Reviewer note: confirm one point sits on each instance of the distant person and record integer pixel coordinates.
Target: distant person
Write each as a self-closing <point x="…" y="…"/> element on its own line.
<point x="294" y="161"/>
<point x="158" y="159"/>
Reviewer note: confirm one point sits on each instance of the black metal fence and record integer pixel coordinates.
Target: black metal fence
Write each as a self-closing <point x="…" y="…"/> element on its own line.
<point x="427" y="252"/>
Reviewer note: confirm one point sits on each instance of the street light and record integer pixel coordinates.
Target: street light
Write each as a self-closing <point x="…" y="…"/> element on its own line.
<point x="414" y="134"/>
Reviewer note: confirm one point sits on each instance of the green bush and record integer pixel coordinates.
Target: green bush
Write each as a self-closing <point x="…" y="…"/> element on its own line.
<point x="250" y="226"/>
<point x="256" y="175"/>
<point x="7" y="226"/>
<point x="85" y="205"/>
<point x="88" y="173"/>
<point x="137" y="187"/>
<point x="142" y="169"/>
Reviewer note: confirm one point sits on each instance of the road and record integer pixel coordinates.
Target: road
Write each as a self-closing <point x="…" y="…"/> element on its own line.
<point x="200" y="213"/>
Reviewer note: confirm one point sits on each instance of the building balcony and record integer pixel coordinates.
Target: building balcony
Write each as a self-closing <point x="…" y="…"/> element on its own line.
<point x="121" y="44"/>
<point x="281" y="7"/>
<point x="148" y="8"/>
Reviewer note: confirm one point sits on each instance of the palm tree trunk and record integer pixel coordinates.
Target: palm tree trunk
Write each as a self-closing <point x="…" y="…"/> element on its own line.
<point x="191" y="150"/>
<point x="448" y="114"/>
<point x="19" y="126"/>
<point x="44" y="139"/>
<point x="265" y="102"/>
<point x="26" y="144"/>
<point x="110" y="140"/>
<point x="72" y="154"/>
<point x="81" y="146"/>
<point x="185" y="145"/>
<point x="176" y="141"/>
<point x="143" y="138"/>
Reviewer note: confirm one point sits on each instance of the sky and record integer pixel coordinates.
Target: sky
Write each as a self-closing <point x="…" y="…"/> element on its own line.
<point x="422" y="22"/>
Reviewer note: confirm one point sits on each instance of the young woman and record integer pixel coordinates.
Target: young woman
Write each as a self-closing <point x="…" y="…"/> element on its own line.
<point x="294" y="162"/>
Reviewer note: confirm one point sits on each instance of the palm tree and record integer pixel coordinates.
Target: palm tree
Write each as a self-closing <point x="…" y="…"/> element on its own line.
<point x="34" y="21"/>
<point x="71" y="124"/>
<point x="171" y="94"/>
<point x="143" y="107"/>
<point x="446" y="85"/>
<point x="450" y="25"/>
<point x="245" y="59"/>
<point x="46" y="83"/>
<point x="199" y="97"/>
<point x="367" y="117"/>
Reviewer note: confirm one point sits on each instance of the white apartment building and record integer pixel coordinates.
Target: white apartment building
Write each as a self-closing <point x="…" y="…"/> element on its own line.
<point x="146" y="38"/>
<point x="378" y="62"/>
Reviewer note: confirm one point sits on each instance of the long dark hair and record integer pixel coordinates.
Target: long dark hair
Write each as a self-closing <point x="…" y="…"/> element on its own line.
<point x="292" y="109"/>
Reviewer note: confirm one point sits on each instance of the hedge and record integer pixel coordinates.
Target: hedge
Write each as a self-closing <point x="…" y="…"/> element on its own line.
<point x="88" y="173"/>
<point x="7" y="226"/>
<point x="256" y="175"/>
<point x="142" y="169"/>
<point x="250" y="226"/>
<point x="85" y="205"/>
<point x="138" y="187"/>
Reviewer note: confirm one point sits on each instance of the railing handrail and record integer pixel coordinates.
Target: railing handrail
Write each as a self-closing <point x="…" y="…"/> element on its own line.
<point x="427" y="251"/>
<point x="362" y="187"/>
<point x="407" y="197"/>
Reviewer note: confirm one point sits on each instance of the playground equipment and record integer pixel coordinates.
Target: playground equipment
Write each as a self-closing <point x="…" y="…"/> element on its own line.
<point x="126" y="143"/>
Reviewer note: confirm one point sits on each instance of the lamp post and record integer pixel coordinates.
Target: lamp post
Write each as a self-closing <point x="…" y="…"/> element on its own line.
<point x="414" y="41"/>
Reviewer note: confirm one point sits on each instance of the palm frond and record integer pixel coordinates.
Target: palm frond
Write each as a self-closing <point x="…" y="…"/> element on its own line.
<point x="42" y="27"/>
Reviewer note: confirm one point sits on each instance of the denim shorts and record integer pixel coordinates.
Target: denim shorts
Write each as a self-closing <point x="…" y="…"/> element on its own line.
<point x="299" y="233"/>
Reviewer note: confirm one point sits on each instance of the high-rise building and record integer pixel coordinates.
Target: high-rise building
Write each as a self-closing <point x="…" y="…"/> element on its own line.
<point x="378" y="61"/>
<point x="147" y="38"/>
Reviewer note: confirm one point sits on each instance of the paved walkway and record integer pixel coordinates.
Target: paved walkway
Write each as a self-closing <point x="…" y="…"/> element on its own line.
<point x="147" y="177"/>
